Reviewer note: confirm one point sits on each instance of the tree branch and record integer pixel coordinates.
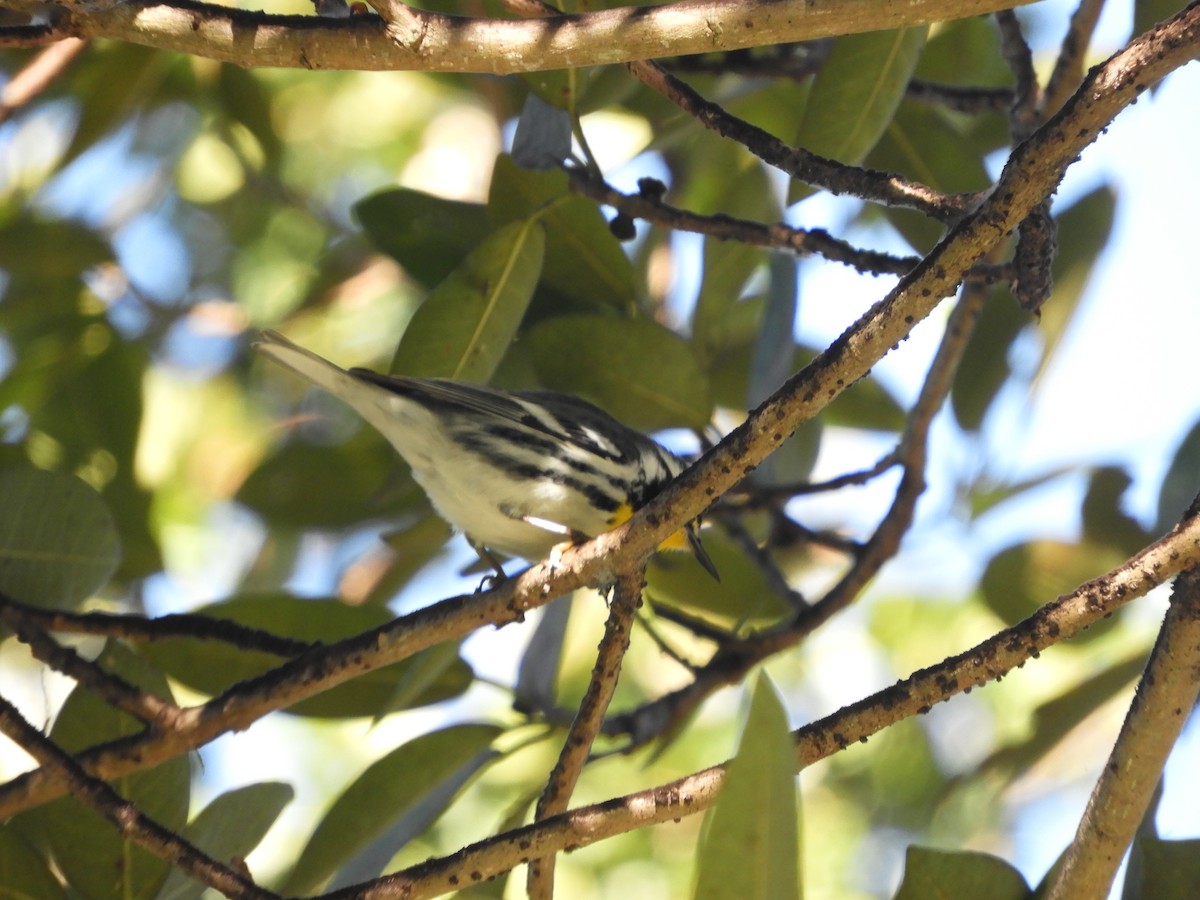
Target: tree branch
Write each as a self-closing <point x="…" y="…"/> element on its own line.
<point x="627" y="597"/>
<point x="130" y="821"/>
<point x="431" y="42"/>
<point x="1165" y="698"/>
<point x="988" y="661"/>
<point x="1032" y="173"/>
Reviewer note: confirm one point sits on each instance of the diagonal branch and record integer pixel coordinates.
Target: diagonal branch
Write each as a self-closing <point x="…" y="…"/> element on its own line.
<point x="988" y="661"/>
<point x="1165" y="698"/>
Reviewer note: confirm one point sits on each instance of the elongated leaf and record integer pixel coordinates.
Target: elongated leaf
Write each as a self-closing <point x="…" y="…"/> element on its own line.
<point x="429" y="236"/>
<point x="585" y="264"/>
<point x="750" y="846"/>
<point x="543" y="137"/>
<point x="729" y="264"/>
<point x="58" y="542"/>
<point x="642" y="373"/>
<point x="228" y="829"/>
<point x="942" y="873"/>
<point x="537" y="676"/>
<point x="1180" y="483"/>
<point x="95" y="859"/>
<point x="742" y="600"/>
<point x="386" y="791"/>
<point x="465" y="326"/>
<point x="211" y="666"/>
<point x="855" y="95"/>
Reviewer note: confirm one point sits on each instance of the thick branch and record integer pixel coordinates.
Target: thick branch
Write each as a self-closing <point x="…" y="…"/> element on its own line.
<point x="431" y="42"/>
<point x="1165" y="698"/>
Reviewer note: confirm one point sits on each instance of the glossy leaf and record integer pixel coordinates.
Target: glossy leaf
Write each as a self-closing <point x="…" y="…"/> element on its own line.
<point x="87" y="848"/>
<point x="943" y="873"/>
<point x="212" y="666"/>
<point x="464" y="327"/>
<point x="537" y="674"/>
<point x="429" y="236"/>
<point x="585" y="265"/>
<point x="855" y="95"/>
<point x="58" y="541"/>
<point x="642" y="373"/>
<point x="750" y="844"/>
<point x="387" y="790"/>
<point x="227" y="830"/>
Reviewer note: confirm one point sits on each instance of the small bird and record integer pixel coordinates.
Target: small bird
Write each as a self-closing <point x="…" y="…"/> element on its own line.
<point x="518" y="472"/>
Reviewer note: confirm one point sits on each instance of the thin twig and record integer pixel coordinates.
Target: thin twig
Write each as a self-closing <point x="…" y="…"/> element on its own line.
<point x="758" y="234"/>
<point x="114" y="690"/>
<point x="1164" y="700"/>
<point x="878" y="187"/>
<point x="37" y="75"/>
<point x="1023" y="113"/>
<point x="129" y="821"/>
<point x="1068" y="68"/>
<point x="960" y="98"/>
<point x="627" y="597"/>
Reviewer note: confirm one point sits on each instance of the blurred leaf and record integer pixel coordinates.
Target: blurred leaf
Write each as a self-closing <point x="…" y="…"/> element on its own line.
<point x="1160" y="869"/>
<point x="1104" y="521"/>
<point x="537" y="674"/>
<point x="429" y="236"/>
<point x="543" y="136"/>
<point x="387" y="790"/>
<point x="944" y="873"/>
<point x="213" y="666"/>
<point x="642" y="373"/>
<point x="38" y="250"/>
<point x="1181" y="483"/>
<point x="584" y="263"/>
<point x="465" y="326"/>
<point x="227" y="830"/>
<point x="747" y="194"/>
<point x="1018" y="580"/>
<point x="984" y="498"/>
<point x="241" y="97"/>
<point x="750" y="844"/>
<point x="855" y="95"/>
<point x="304" y="485"/>
<point x="985" y="365"/>
<point x="24" y="874"/>
<point x="138" y="70"/>
<point x="964" y="52"/>
<point x="1148" y="13"/>
<point x="96" y="860"/>
<point x="1056" y="718"/>
<point x="741" y="601"/>
<point x="58" y="542"/>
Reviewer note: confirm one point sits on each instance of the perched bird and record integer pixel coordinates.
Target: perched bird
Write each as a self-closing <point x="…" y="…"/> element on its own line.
<point x="518" y="472"/>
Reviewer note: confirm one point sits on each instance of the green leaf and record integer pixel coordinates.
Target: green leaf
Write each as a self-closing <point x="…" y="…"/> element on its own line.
<point x="24" y="874"/>
<point x="585" y="265"/>
<point x="35" y="250"/>
<point x="855" y="95"/>
<point x="944" y="873"/>
<point x="985" y="365"/>
<point x="750" y="846"/>
<point x="429" y="236"/>
<point x="1180" y="483"/>
<point x="86" y="847"/>
<point x="227" y="830"/>
<point x="642" y="373"/>
<point x="139" y="70"/>
<point x="58" y="542"/>
<point x="465" y="326"/>
<point x="728" y="265"/>
<point x="387" y="790"/>
<point x="1148" y="13"/>
<point x="241" y="97"/>
<point x="213" y="666"/>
